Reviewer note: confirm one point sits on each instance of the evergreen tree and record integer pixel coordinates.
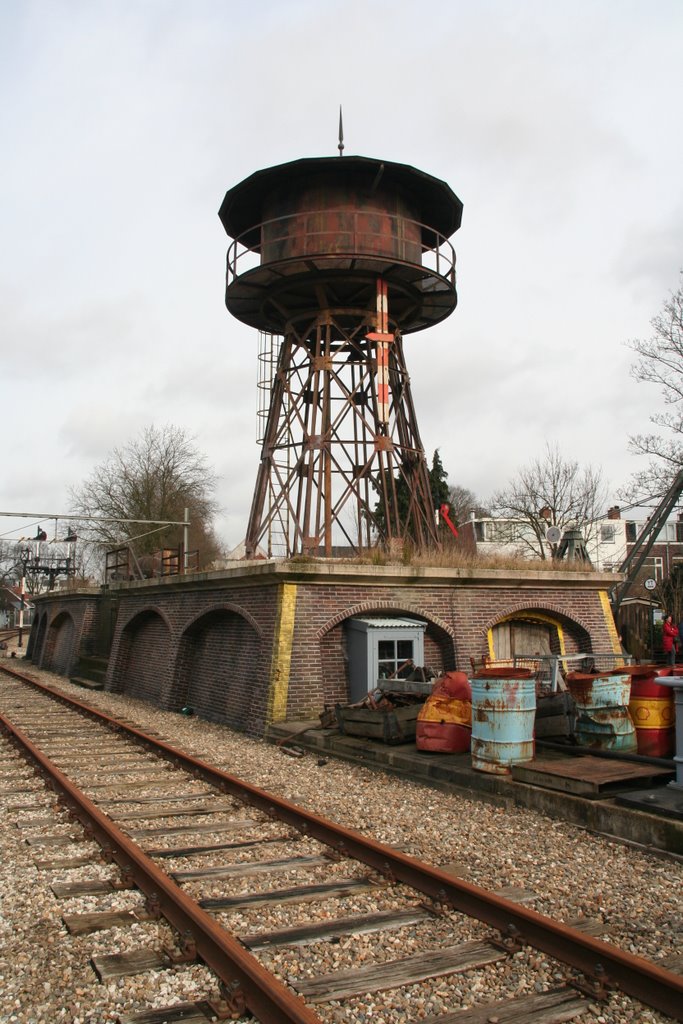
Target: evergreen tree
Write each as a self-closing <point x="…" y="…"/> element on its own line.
<point x="438" y="481"/>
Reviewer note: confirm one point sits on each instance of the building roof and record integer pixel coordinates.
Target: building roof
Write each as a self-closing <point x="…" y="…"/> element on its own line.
<point x="439" y="206"/>
<point x="388" y="622"/>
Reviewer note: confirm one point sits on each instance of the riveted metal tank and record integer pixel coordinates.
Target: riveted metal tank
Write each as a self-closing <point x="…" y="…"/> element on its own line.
<point x="316" y="233"/>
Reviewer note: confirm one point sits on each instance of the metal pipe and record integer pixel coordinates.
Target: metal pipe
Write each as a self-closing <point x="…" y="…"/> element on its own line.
<point x="87" y="519"/>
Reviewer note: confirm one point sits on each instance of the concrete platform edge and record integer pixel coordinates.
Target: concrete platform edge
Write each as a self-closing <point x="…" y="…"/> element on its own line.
<point x="453" y="773"/>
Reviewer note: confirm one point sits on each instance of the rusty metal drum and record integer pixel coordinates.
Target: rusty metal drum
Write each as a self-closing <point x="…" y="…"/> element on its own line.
<point x="604" y="722"/>
<point x="652" y="709"/>
<point x="444" y="723"/>
<point x="503" y="715"/>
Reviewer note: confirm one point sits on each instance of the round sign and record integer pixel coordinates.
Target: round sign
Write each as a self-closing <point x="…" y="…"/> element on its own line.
<point x="650" y="584"/>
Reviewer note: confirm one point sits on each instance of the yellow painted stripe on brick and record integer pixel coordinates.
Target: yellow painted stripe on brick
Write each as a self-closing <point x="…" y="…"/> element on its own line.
<point x="282" y="653"/>
<point x="609" y="621"/>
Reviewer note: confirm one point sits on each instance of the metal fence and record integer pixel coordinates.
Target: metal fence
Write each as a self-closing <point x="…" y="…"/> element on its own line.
<point x="550" y="667"/>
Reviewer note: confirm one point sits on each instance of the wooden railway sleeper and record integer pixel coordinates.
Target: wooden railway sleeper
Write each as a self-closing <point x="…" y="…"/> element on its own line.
<point x="642" y="979"/>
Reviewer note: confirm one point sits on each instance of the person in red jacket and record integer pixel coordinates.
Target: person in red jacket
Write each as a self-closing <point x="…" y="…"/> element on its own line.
<point x="669" y="640"/>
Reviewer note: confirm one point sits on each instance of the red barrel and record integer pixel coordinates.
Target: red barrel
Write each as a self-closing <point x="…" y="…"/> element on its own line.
<point x="445" y="722"/>
<point x="652" y="709"/>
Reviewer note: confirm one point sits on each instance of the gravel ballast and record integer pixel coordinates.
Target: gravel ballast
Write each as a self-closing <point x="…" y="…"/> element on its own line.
<point x="45" y="973"/>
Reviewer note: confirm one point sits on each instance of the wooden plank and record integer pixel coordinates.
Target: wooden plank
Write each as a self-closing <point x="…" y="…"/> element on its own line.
<point x="153" y="776"/>
<point x="102" y="761"/>
<point x="544" y="1008"/>
<point x="66" y="840"/>
<point x="174" y="812"/>
<point x="516" y="894"/>
<point x="133" y="961"/>
<point x="673" y="962"/>
<point x="36" y="822"/>
<point x="553" y="725"/>
<point x="395" y="973"/>
<point x="191" y="851"/>
<point x="164" y="799"/>
<point x="584" y="776"/>
<point x="188" y="1013"/>
<point x="385" y="920"/>
<point x="589" y="925"/>
<point x="256" y="867"/>
<point x="100" y="920"/>
<point x="302" y="894"/>
<point x="146" y="774"/>
<point x="88" y="887"/>
<point x="60" y="863"/>
<point x="173" y="830"/>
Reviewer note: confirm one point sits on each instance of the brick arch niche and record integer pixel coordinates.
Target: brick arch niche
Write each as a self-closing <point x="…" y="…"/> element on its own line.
<point x="439" y="649"/>
<point x="60" y="645"/>
<point x="217" y="669"/>
<point x="36" y="639"/>
<point x="537" y="630"/>
<point x="143" y="658"/>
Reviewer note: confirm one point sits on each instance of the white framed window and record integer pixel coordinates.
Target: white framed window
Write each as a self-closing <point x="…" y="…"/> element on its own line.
<point x="654" y="566"/>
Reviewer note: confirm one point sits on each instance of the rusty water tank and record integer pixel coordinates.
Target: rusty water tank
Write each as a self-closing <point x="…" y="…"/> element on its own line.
<point x="318" y="232"/>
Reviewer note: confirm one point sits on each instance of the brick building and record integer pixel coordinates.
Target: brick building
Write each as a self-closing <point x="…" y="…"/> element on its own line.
<point x="267" y="641"/>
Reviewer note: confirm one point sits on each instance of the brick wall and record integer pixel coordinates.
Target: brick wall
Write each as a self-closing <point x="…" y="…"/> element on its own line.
<point x="211" y="641"/>
<point x="60" y="647"/>
<point x="61" y="625"/>
<point x="215" y="669"/>
<point x="143" y="664"/>
<point x="213" y="657"/>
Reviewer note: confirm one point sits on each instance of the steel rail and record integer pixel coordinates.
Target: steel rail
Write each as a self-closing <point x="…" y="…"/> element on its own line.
<point x="247" y="984"/>
<point x="607" y="965"/>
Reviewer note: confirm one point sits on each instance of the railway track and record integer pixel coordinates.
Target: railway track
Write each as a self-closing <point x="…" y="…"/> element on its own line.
<point x="210" y="857"/>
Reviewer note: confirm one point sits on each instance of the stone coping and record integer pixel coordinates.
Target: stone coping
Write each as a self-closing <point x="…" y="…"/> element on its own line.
<point x="324" y="571"/>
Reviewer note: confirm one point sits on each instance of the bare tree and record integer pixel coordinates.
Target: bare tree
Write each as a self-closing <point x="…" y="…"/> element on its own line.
<point x="551" y="491"/>
<point x="660" y="362"/>
<point x="462" y="501"/>
<point x="9" y="562"/>
<point x="154" y="477"/>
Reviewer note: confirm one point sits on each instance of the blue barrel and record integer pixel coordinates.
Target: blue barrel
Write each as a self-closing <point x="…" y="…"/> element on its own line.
<point x="503" y="715"/>
<point x="604" y="722"/>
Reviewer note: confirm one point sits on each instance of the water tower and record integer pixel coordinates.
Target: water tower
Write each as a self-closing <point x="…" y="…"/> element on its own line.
<point x="334" y="260"/>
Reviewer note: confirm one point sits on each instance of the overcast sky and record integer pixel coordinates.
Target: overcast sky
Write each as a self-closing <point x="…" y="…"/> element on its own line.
<point x="122" y="125"/>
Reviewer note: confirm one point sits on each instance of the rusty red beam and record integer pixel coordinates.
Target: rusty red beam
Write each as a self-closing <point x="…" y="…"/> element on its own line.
<point x="640" y="978"/>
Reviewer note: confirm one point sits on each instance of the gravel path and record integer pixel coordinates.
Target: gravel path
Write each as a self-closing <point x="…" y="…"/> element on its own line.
<point x="45" y="977"/>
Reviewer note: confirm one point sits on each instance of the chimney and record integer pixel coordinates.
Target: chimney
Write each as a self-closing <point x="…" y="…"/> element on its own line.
<point x="614" y="512"/>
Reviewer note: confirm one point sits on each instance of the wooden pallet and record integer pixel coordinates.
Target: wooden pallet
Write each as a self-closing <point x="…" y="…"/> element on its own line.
<point x="592" y="777"/>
